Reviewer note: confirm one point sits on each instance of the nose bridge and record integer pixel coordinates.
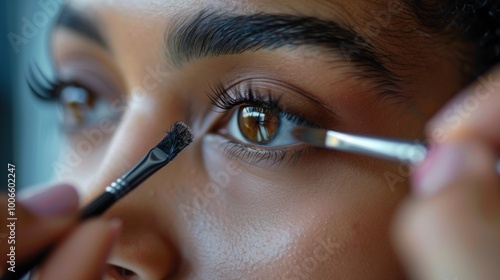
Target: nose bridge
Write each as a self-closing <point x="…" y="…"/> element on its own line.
<point x="147" y="118"/>
<point x="144" y="246"/>
<point x="150" y="241"/>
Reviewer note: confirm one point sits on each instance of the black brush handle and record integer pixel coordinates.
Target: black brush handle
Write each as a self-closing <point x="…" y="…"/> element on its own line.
<point x="153" y="161"/>
<point x="98" y="206"/>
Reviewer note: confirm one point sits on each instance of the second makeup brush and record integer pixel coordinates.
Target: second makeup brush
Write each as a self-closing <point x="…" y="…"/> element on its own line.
<point x="410" y="152"/>
<point x="175" y="141"/>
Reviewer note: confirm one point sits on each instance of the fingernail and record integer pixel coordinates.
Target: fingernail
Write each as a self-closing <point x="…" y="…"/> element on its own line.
<point x="441" y="167"/>
<point x="58" y="200"/>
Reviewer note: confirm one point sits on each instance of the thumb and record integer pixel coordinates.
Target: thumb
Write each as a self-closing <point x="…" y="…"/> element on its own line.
<point x="59" y="200"/>
<point x="36" y="221"/>
<point x="450" y="228"/>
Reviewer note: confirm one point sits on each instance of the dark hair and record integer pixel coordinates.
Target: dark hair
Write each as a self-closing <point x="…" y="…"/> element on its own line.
<point x="475" y="21"/>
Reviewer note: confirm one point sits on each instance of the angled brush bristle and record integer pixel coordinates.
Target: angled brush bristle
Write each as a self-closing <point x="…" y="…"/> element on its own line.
<point x="177" y="138"/>
<point x="311" y="136"/>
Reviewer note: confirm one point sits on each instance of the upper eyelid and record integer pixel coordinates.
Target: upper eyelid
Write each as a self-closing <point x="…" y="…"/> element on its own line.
<point x="225" y="97"/>
<point x="221" y="97"/>
<point x="98" y="85"/>
<point x="67" y="49"/>
<point x="91" y="73"/>
<point x="276" y="83"/>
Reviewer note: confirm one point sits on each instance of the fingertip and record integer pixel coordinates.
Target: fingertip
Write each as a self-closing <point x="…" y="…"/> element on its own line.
<point x="454" y="164"/>
<point x="59" y="200"/>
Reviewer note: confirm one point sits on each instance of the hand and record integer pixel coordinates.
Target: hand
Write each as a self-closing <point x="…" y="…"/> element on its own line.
<point x="52" y="216"/>
<point x="450" y="227"/>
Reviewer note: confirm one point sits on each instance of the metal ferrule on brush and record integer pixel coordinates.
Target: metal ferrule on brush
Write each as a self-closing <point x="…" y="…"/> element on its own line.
<point x="176" y="140"/>
<point x="154" y="160"/>
<point x="173" y="143"/>
<point x="399" y="150"/>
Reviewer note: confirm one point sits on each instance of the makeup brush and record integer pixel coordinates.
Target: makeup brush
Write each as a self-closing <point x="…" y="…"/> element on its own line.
<point x="175" y="141"/>
<point x="410" y="152"/>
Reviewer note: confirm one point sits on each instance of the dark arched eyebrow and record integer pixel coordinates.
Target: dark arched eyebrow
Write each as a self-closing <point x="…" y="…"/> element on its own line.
<point x="211" y="34"/>
<point x="82" y="24"/>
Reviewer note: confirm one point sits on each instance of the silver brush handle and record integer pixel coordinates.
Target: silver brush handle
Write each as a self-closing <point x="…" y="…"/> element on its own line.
<point x="397" y="150"/>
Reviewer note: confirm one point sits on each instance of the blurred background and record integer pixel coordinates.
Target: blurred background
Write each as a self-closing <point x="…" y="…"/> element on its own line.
<point x="30" y="131"/>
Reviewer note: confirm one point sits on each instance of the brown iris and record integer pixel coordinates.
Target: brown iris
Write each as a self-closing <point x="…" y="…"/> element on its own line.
<point x="258" y="125"/>
<point x="77" y="100"/>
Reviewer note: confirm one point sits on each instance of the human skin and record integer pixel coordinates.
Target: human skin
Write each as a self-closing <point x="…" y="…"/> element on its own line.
<point x="270" y="220"/>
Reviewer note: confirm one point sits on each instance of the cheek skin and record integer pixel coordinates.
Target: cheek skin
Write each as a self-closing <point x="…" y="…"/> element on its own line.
<point x="328" y="218"/>
<point x="314" y="222"/>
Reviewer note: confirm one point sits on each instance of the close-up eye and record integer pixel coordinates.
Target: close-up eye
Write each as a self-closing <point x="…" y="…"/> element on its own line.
<point x="80" y="105"/>
<point x="261" y="126"/>
<point x="255" y="122"/>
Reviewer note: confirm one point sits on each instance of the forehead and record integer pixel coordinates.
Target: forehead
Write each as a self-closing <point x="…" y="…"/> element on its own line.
<point x="147" y="20"/>
<point x="346" y="11"/>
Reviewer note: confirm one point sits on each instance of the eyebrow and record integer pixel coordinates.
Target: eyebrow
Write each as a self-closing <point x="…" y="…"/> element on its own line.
<point x="82" y="24"/>
<point x="211" y="34"/>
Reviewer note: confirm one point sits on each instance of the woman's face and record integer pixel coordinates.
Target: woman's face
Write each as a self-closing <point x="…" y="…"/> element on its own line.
<point x="246" y="200"/>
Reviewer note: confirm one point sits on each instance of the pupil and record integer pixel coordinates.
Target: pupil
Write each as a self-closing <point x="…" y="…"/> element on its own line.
<point x="258" y="125"/>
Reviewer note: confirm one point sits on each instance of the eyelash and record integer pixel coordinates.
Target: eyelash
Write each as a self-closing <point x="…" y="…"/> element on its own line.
<point x="81" y="106"/>
<point x="222" y="98"/>
<point x="47" y="91"/>
<point x="225" y="100"/>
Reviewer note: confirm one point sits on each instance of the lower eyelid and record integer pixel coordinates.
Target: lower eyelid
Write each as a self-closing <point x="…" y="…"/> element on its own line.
<point x="91" y="73"/>
<point x="229" y="99"/>
<point x="286" y="155"/>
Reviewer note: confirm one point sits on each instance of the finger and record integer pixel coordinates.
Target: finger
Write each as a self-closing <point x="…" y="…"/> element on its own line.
<point x="38" y="221"/>
<point x="82" y="255"/>
<point x="58" y="200"/>
<point x="451" y="228"/>
<point x="473" y="113"/>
